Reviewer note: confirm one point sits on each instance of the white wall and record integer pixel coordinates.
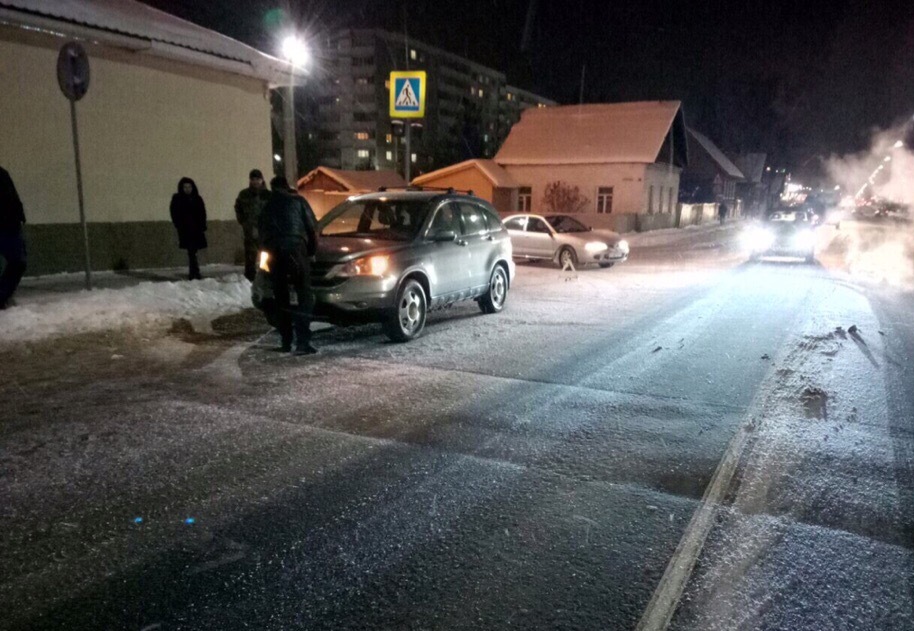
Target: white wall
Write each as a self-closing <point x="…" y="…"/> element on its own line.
<point x="144" y="124"/>
<point x="664" y="179"/>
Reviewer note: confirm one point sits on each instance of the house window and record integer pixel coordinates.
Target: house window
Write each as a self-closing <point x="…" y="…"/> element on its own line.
<point x="363" y="153"/>
<point x="605" y="200"/>
<point x="413" y="158"/>
<point x="670" y="199"/>
<point x="524" y="199"/>
<point x="510" y="96"/>
<point x="387" y="85"/>
<point x="389" y="138"/>
<point x="390" y="156"/>
<point x="361" y="81"/>
<point x="480" y="92"/>
<point x="473" y="90"/>
<point x="660" y="200"/>
<point x="412" y="54"/>
<point x="650" y="199"/>
<point x="361" y="135"/>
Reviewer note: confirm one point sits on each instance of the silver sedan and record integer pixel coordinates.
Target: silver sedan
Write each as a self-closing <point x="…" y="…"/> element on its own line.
<point x="565" y="240"/>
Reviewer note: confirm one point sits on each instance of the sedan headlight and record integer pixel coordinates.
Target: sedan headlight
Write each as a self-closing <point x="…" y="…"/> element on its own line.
<point x="367" y="266"/>
<point x="757" y="239"/>
<point x="264" y="261"/>
<point x="596" y="246"/>
<point x="804" y="239"/>
<point x="623" y="245"/>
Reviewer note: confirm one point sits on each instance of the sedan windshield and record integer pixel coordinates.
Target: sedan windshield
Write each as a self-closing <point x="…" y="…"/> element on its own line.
<point x="564" y="223"/>
<point x="389" y="220"/>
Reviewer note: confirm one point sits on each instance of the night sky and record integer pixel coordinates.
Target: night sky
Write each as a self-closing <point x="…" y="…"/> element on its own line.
<point x="786" y="78"/>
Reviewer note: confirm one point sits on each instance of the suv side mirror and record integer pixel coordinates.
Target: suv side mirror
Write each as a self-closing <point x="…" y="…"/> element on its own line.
<point x="444" y="236"/>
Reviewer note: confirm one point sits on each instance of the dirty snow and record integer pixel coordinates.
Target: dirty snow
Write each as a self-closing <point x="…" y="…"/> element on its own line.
<point x="148" y="304"/>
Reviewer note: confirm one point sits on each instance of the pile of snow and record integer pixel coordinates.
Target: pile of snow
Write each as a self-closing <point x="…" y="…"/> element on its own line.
<point x="148" y="304"/>
<point x="668" y="236"/>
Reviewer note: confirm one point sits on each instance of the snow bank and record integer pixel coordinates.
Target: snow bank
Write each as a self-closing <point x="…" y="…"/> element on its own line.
<point x="668" y="236"/>
<point x="148" y="304"/>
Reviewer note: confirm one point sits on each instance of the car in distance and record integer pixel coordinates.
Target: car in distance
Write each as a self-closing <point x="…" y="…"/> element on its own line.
<point x="785" y="232"/>
<point x="393" y="256"/>
<point x="564" y="240"/>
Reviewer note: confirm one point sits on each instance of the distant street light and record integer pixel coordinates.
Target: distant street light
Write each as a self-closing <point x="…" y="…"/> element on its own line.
<point x="888" y="159"/>
<point x="898" y="144"/>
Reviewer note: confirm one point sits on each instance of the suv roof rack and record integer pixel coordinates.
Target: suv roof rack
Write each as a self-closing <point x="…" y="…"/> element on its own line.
<point x="414" y="187"/>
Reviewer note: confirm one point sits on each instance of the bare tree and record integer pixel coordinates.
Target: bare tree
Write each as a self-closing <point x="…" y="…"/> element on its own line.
<point x="563" y="198"/>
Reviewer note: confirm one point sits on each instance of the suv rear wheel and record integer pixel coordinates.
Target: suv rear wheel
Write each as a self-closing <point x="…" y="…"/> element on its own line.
<point x="493" y="300"/>
<point x="408" y="318"/>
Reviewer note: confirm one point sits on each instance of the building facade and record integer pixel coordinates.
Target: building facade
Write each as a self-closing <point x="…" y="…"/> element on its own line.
<point x="624" y="160"/>
<point x="470" y="108"/>
<point x="167" y="99"/>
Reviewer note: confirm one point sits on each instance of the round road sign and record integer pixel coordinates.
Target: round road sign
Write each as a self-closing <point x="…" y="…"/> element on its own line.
<point x="73" y="71"/>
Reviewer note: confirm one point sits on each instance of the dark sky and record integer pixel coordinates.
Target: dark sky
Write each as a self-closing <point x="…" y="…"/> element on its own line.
<point x="785" y="77"/>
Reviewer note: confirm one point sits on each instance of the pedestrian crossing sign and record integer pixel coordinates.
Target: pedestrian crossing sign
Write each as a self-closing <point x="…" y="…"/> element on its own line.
<point x="407" y="94"/>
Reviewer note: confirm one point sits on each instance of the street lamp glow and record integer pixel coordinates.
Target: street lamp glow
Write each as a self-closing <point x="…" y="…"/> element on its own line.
<point x="294" y="51"/>
<point x="888" y="159"/>
<point x="898" y="144"/>
<point x="277" y="157"/>
<point x="838" y="187"/>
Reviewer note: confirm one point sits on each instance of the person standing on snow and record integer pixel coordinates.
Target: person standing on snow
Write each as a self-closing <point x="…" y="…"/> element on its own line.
<point x="248" y="206"/>
<point x="12" y="243"/>
<point x="188" y="214"/>
<point x="288" y="234"/>
<point x="722" y="211"/>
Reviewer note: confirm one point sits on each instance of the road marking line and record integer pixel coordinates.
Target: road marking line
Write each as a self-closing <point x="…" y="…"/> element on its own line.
<point x="666" y="597"/>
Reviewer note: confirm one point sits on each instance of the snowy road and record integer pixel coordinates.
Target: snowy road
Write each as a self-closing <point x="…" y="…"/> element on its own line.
<point x="537" y="469"/>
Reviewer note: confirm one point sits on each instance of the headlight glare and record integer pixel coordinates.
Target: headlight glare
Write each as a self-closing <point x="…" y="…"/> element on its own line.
<point x="596" y="246"/>
<point x="264" y="261"/>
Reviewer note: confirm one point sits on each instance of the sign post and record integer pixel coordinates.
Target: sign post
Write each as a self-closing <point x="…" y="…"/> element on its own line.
<point x="73" y="78"/>
<point x="407" y="100"/>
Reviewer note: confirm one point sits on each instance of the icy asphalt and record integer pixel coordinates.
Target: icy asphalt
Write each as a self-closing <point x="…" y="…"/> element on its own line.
<point x="535" y="469"/>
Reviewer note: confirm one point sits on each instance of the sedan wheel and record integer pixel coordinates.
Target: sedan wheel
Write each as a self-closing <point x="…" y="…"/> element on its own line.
<point x="493" y="300"/>
<point x="408" y="320"/>
<point x="567" y="256"/>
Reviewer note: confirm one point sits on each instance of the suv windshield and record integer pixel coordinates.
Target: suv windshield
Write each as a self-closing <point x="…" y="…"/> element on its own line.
<point x="564" y="223"/>
<point x="388" y="220"/>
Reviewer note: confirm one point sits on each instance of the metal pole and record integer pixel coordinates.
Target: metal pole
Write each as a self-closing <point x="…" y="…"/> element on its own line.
<point x="290" y="156"/>
<point x="79" y="192"/>
<point x="407" y="156"/>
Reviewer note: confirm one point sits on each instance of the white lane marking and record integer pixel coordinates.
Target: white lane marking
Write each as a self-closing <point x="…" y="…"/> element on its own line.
<point x="666" y="597"/>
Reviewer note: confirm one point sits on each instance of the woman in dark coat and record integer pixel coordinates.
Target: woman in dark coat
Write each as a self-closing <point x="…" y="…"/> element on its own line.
<point x="188" y="214"/>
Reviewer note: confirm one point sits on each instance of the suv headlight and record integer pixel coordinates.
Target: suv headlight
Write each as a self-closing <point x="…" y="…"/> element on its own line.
<point x="623" y="245"/>
<point x="596" y="246"/>
<point x="367" y="266"/>
<point x="264" y="261"/>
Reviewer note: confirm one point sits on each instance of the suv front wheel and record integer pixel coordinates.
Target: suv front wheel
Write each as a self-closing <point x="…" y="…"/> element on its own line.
<point x="408" y="318"/>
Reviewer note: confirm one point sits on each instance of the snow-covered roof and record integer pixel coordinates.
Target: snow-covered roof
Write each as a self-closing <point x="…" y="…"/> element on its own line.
<point x="752" y="166"/>
<point x="162" y="32"/>
<point x="590" y="134"/>
<point x="357" y="181"/>
<point x="498" y="176"/>
<point x="717" y="155"/>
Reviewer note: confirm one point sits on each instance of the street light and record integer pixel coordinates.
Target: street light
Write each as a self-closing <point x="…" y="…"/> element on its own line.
<point x="898" y="144"/>
<point x="888" y="159"/>
<point x="296" y="53"/>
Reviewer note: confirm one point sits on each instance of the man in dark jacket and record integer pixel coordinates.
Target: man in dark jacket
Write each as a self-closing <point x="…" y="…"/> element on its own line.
<point x="12" y="243"/>
<point x="287" y="233"/>
<point x="722" y="211"/>
<point x="248" y="206"/>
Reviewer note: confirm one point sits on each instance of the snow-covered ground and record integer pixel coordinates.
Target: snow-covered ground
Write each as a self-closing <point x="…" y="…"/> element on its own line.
<point x="44" y="314"/>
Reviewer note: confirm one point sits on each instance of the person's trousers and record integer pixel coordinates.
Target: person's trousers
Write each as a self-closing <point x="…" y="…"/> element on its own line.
<point x="12" y="250"/>
<point x="193" y="271"/>
<point x="250" y="258"/>
<point x="292" y="268"/>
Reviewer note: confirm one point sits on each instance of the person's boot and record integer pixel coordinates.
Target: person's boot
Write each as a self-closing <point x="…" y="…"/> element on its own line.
<point x="304" y="349"/>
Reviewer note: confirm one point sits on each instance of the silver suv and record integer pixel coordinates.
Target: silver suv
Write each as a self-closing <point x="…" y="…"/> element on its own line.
<point x="391" y="257"/>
